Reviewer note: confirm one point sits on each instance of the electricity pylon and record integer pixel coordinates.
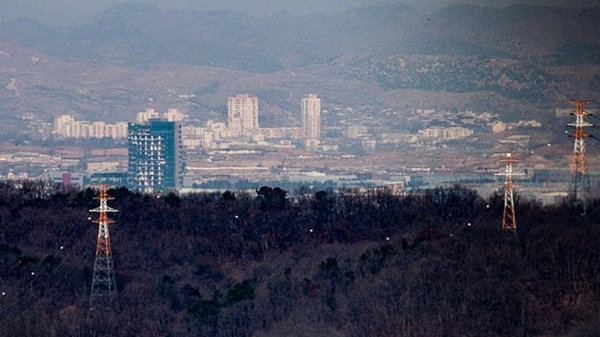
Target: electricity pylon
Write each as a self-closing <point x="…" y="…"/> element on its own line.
<point x="509" y="218"/>
<point x="103" y="296"/>
<point x="580" y="180"/>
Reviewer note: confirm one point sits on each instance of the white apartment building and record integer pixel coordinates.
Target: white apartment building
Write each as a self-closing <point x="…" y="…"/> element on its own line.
<point x="242" y="114"/>
<point x="446" y="133"/>
<point x="62" y="125"/>
<point x="97" y="130"/>
<point x="172" y="115"/>
<point x="144" y="116"/>
<point x="117" y="130"/>
<point x="66" y="126"/>
<point x="310" y="107"/>
<point x="282" y="132"/>
<point x="120" y="130"/>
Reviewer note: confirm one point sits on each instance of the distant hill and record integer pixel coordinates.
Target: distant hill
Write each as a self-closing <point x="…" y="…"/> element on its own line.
<point x="141" y="36"/>
<point x="551" y="33"/>
<point x="460" y="74"/>
<point x="461" y="57"/>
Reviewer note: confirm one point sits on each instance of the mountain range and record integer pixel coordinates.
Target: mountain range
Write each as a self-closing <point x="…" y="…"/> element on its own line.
<point x="531" y="56"/>
<point x="142" y="36"/>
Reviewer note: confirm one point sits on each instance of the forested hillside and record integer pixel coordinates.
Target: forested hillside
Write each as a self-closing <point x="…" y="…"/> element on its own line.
<point x="327" y="264"/>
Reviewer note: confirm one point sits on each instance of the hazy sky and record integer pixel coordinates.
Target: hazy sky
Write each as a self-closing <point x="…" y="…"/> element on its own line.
<point x="77" y="11"/>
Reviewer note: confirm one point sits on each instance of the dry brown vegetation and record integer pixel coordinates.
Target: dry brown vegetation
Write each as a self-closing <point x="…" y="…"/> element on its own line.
<point x="187" y="266"/>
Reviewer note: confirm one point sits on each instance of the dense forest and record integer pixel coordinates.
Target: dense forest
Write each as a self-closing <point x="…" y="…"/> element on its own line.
<point x="331" y="263"/>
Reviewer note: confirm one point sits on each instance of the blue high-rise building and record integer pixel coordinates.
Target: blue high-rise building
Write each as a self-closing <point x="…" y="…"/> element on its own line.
<point x="154" y="156"/>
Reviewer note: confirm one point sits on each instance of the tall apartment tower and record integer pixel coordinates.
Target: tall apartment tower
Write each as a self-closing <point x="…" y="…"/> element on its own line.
<point x="242" y="114"/>
<point x="154" y="156"/>
<point x="311" y="119"/>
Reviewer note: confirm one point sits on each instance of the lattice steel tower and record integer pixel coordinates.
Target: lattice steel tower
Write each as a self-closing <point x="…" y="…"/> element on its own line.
<point x="579" y="175"/>
<point x="103" y="296"/>
<point x="509" y="219"/>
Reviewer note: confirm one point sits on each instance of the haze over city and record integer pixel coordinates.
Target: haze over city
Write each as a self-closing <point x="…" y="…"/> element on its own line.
<point x="448" y="87"/>
<point x="299" y="168"/>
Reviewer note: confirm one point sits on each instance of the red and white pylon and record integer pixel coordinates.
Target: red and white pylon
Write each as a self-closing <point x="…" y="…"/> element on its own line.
<point x="509" y="217"/>
<point x="103" y="295"/>
<point x="580" y="179"/>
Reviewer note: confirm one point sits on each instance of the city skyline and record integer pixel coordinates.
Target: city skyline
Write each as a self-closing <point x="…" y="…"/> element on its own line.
<point x="439" y="88"/>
